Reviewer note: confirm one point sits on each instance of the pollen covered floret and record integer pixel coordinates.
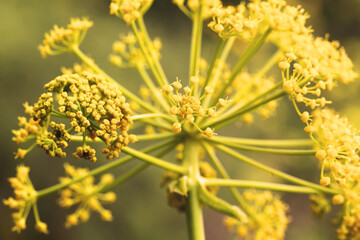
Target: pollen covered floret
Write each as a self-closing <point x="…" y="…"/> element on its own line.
<point x="60" y="39"/>
<point x="25" y="199"/>
<point x="271" y="219"/>
<point x="188" y="107"/>
<point x="126" y="52"/>
<point x="86" y="194"/>
<point x="53" y="142"/>
<point x="129" y="10"/>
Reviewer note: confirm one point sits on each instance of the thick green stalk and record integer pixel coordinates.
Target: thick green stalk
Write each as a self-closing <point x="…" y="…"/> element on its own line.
<point x="193" y="206"/>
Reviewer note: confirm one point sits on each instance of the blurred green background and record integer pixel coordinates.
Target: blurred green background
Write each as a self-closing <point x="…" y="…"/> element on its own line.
<point x="141" y="211"/>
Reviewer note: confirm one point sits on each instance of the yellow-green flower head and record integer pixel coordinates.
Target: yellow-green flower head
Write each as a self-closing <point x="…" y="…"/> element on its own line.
<point x="188" y="107"/>
<point x="126" y="52"/>
<point x="271" y="219"/>
<point x="86" y="194"/>
<point x="247" y="21"/>
<point x="129" y="10"/>
<point x="327" y="57"/>
<point x="303" y="82"/>
<point x="338" y="145"/>
<point x="60" y="39"/>
<point x="96" y="107"/>
<point x="25" y="199"/>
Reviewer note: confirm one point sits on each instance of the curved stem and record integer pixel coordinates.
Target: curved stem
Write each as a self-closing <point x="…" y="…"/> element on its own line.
<point x="215" y="57"/>
<point x="259" y="185"/>
<point x="154" y="161"/>
<point x="149" y="45"/>
<point x="99" y="170"/>
<point x="245" y="58"/>
<point x="265" y="142"/>
<point x="196" y="41"/>
<point x="275" y="172"/>
<point x="135" y="170"/>
<point x="290" y="152"/>
<point x="147" y="55"/>
<point x="249" y="212"/>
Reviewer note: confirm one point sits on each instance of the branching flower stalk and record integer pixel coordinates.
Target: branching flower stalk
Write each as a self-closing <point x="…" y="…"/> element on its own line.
<point x="86" y="107"/>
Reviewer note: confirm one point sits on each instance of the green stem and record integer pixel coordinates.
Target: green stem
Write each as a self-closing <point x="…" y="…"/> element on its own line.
<point x="218" y="123"/>
<point x="269" y="64"/>
<point x="290" y="152"/>
<point x="153" y="160"/>
<point x="89" y="62"/>
<point x="149" y="45"/>
<point x="145" y="137"/>
<point x="147" y="55"/>
<point x="266" y="142"/>
<point x="238" y="197"/>
<point x="259" y="185"/>
<point x="275" y="172"/>
<point x="149" y="115"/>
<point x="135" y="170"/>
<point x="196" y="42"/>
<point x="99" y="170"/>
<point x="193" y="206"/>
<point x="158" y="97"/>
<point x="245" y="58"/>
<point x="216" y="55"/>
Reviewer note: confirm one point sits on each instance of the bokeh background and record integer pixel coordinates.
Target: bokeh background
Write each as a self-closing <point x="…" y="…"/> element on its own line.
<point x="141" y="211"/>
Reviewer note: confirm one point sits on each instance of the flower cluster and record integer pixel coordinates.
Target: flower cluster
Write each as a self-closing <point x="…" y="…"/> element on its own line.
<point x="88" y="99"/>
<point x="95" y="108"/>
<point x="126" y="53"/>
<point x="25" y="199"/>
<point x="338" y="148"/>
<point x="89" y="196"/>
<point x="129" y="10"/>
<point x="302" y="84"/>
<point x="246" y="22"/>
<point x="327" y="57"/>
<point x="60" y="39"/>
<point x="188" y="107"/>
<point x="271" y="219"/>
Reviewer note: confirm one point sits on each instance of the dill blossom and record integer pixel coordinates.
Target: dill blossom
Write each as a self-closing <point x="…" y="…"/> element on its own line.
<point x="85" y="107"/>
